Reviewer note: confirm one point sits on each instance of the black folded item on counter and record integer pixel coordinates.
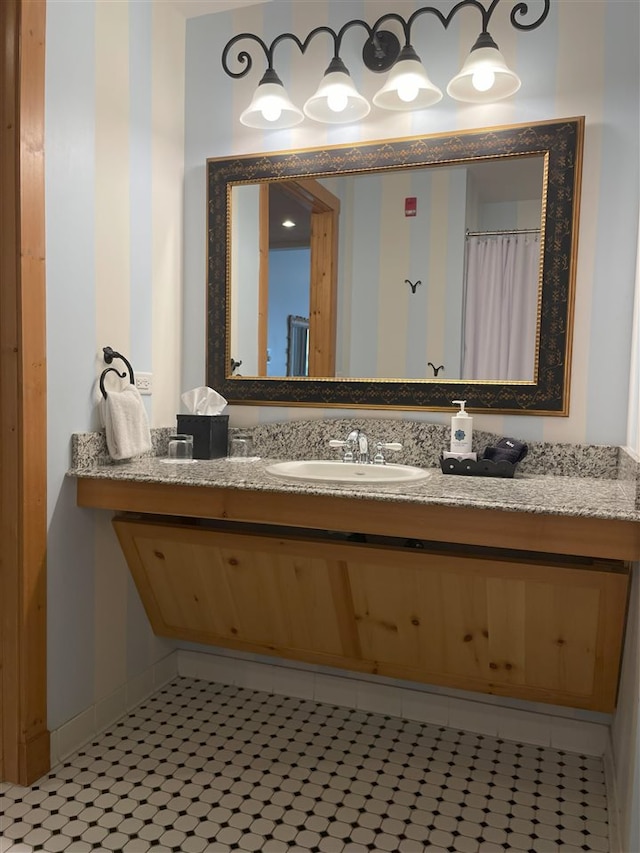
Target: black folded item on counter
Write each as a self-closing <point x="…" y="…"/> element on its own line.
<point x="507" y="449"/>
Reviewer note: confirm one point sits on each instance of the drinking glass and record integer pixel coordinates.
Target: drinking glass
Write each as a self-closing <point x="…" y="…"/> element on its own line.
<point x="181" y="447"/>
<point x="240" y="447"/>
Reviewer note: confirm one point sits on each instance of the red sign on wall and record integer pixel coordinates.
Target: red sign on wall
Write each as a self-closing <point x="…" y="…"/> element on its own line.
<point x="410" y="206"/>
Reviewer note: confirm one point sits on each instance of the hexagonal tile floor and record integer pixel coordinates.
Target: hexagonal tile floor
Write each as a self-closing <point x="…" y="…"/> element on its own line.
<point x="205" y="767"/>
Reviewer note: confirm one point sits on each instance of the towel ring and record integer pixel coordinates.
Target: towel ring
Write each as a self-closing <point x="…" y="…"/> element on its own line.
<point x="109" y="355"/>
<point x="104" y="373"/>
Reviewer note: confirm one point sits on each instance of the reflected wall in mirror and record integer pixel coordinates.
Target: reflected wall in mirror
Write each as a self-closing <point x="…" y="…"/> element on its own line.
<point x="427" y="267"/>
<point x="443" y="263"/>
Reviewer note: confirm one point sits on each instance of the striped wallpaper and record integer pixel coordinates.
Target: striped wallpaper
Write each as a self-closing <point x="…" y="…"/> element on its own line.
<point x="385" y="250"/>
<point x="597" y="78"/>
<point x="115" y="84"/>
<point x="381" y="250"/>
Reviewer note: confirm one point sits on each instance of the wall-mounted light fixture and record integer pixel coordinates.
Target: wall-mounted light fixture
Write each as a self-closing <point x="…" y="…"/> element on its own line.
<point x="484" y="77"/>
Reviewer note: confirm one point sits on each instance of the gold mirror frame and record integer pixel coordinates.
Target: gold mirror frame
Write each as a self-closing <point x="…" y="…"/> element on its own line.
<point x="559" y="141"/>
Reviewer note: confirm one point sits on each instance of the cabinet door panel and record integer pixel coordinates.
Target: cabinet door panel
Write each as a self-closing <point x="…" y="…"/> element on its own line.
<point x="392" y="622"/>
<point x="535" y="631"/>
<point x="306" y="599"/>
<point x="184" y="586"/>
<point x="250" y="579"/>
<point x="463" y="605"/>
<point x="223" y="587"/>
<point x="208" y="589"/>
<point x="420" y="617"/>
<point x="562" y="636"/>
<point x="506" y="625"/>
<point x="540" y="628"/>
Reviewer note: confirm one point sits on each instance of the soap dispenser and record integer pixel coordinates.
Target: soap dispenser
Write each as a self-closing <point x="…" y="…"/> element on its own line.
<point x="461" y="429"/>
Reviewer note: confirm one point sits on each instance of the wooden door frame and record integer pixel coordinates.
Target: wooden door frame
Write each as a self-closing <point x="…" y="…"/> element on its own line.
<point x="24" y="738"/>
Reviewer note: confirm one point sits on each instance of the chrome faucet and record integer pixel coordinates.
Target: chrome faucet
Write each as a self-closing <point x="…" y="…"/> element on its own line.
<point x="356" y="447"/>
<point x="361" y="445"/>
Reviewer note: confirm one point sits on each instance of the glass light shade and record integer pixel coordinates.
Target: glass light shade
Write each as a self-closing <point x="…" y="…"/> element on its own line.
<point x="336" y="100"/>
<point x="271" y="108"/>
<point x="407" y="86"/>
<point x="485" y="76"/>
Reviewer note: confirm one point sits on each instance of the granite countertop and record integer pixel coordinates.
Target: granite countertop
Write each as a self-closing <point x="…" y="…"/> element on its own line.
<point x="590" y="497"/>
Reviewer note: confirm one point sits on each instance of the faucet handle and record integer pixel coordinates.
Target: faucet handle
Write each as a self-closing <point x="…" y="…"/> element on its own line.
<point x="379" y="459"/>
<point x="348" y="454"/>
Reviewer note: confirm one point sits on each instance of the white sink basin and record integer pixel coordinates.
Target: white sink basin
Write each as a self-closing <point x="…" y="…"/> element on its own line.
<point x="347" y="472"/>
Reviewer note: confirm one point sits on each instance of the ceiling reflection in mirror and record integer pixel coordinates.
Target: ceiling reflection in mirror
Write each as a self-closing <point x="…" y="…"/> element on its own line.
<point x="392" y="274"/>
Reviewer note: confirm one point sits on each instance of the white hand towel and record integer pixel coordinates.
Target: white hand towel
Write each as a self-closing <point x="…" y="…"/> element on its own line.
<point x="126" y="423"/>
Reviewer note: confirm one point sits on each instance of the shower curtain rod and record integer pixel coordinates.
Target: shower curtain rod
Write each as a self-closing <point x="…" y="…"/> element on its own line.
<point x="505" y="231"/>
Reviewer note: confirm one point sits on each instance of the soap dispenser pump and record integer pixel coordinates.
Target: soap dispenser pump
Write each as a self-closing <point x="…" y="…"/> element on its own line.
<point x="461" y="429"/>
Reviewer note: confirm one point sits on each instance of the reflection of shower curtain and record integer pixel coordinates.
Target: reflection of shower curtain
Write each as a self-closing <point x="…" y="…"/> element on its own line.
<point x="501" y="301"/>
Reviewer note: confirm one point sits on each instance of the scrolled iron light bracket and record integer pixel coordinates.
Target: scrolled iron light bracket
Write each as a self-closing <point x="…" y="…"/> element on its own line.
<point x="382" y="47"/>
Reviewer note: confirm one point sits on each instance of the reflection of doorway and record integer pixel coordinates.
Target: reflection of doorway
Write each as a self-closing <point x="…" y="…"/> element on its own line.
<point x="317" y="211"/>
<point x="288" y="295"/>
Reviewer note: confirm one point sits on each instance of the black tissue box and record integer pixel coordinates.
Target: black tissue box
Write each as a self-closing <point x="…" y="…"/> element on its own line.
<point x="210" y="434"/>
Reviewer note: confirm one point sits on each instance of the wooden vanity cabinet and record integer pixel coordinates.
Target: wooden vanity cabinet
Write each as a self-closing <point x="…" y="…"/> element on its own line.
<point x="537" y="627"/>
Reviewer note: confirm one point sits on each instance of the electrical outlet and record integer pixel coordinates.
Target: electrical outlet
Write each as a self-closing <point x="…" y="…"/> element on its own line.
<point x="143" y="383"/>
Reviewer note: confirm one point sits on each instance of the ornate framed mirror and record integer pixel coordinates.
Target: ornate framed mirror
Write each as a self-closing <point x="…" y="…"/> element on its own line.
<point x="430" y="268"/>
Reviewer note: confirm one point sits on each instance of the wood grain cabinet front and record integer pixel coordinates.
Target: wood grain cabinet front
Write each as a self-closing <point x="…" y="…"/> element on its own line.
<point x="534" y="627"/>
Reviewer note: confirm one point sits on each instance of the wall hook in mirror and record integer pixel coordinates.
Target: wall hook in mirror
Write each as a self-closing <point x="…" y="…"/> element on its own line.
<point x="411" y="285"/>
<point x="435" y="369"/>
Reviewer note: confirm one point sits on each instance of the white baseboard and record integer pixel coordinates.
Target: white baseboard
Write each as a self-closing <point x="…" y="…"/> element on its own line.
<point x="82" y="728"/>
<point x="557" y="728"/>
<point x="348" y="690"/>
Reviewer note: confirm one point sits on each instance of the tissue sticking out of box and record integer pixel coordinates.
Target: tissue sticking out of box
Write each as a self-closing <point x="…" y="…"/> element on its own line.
<point x="203" y="401"/>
